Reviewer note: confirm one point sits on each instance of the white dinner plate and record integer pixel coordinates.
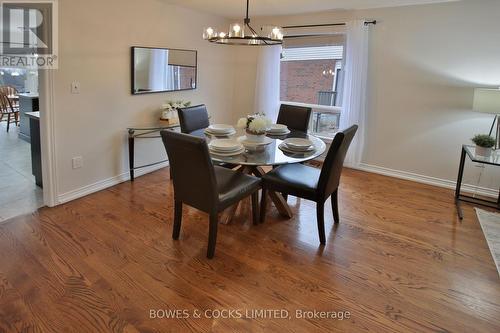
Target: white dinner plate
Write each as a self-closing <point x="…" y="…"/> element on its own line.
<point x="220" y="128"/>
<point x="285" y="132"/>
<point x="298" y="150"/>
<point x="225" y="145"/>
<point x="207" y="131"/>
<point x="278" y="128"/>
<point x="298" y="143"/>
<point x="287" y="149"/>
<point x="225" y="151"/>
<point x="245" y="142"/>
<point x="227" y="154"/>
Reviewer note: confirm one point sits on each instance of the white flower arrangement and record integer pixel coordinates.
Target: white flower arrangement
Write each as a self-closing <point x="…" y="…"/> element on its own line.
<point x="169" y="109"/>
<point x="174" y="105"/>
<point x="254" y="124"/>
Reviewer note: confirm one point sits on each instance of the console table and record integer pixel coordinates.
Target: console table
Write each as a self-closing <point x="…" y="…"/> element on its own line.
<point x="470" y="151"/>
<point x="143" y="133"/>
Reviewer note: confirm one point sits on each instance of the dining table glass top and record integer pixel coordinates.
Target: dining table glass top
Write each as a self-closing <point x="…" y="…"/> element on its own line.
<point x="270" y="154"/>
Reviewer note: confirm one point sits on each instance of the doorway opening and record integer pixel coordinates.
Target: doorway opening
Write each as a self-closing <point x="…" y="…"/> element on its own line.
<point x="20" y="150"/>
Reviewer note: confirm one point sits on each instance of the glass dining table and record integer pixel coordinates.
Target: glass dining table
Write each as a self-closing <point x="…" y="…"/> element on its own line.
<point x="271" y="155"/>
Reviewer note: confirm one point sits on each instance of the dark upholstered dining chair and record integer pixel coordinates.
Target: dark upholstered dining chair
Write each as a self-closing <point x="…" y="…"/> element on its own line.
<point x="295" y="117"/>
<point x="311" y="183"/>
<point x="200" y="184"/>
<point x="194" y="120"/>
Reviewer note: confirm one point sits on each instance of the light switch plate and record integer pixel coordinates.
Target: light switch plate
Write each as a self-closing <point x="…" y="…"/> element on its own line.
<point x="77" y="162"/>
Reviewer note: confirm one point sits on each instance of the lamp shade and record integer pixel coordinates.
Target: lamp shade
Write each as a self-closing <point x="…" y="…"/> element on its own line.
<point x="487" y="100"/>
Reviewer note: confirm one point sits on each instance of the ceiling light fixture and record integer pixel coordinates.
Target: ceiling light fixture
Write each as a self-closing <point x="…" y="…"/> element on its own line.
<point x="244" y="34"/>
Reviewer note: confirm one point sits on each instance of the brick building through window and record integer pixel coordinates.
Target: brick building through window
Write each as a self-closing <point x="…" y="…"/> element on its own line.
<point x="310" y="74"/>
<point x="302" y="80"/>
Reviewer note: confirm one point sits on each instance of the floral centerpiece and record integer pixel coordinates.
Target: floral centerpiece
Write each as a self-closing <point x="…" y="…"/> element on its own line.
<point x="169" y="109"/>
<point x="255" y="126"/>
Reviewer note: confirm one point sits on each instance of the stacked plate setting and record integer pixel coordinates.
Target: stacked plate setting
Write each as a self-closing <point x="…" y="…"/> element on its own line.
<point x="220" y="130"/>
<point x="278" y="129"/>
<point x="297" y="145"/>
<point x="253" y="145"/>
<point x="225" y="147"/>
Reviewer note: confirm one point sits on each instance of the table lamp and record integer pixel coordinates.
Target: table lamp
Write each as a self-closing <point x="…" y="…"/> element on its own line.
<point x="488" y="101"/>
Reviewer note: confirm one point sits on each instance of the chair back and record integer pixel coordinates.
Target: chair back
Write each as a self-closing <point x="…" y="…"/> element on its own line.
<point x="295" y="117"/>
<point x="8" y="90"/>
<point x="192" y="170"/>
<point x="329" y="178"/>
<point x="5" y="103"/>
<point x="193" y="118"/>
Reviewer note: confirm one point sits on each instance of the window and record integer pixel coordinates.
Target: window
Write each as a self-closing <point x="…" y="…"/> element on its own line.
<point x="22" y="79"/>
<point x="311" y="75"/>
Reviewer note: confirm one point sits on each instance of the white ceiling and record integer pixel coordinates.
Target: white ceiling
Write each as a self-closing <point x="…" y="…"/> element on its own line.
<point x="236" y="8"/>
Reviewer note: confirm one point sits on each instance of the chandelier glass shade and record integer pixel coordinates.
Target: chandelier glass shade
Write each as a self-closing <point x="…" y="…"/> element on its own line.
<point x="244" y="34"/>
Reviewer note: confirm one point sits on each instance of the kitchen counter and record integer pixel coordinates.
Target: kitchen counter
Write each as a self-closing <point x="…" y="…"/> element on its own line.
<point x="27" y="103"/>
<point x="36" y="149"/>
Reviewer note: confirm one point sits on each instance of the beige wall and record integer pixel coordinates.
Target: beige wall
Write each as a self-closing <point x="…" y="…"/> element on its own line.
<point x="95" y="41"/>
<point x="424" y="63"/>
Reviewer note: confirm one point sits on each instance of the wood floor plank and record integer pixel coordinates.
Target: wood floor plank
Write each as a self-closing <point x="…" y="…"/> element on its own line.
<point x="400" y="261"/>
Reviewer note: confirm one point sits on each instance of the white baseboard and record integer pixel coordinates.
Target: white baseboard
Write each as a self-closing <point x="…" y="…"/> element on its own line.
<point x="426" y="179"/>
<point x="103" y="184"/>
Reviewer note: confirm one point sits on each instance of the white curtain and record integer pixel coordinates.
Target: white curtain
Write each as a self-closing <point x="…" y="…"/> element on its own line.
<point x="355" y="82"/>
<point x="158" y="59"/>
<point x="267" y="87"/>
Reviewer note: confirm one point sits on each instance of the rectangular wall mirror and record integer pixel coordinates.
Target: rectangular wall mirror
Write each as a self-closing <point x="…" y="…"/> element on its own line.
<point x="160" y="70"/>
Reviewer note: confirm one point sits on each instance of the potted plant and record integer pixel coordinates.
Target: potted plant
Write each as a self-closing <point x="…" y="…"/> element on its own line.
<point x="484" y="143"/>
<point x="255" y="126"/>
<point x="169" y="110"/>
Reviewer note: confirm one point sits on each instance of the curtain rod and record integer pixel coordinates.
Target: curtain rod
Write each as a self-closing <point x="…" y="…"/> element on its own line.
<point x="316" y="35"/>
<point x="374" y="22"/>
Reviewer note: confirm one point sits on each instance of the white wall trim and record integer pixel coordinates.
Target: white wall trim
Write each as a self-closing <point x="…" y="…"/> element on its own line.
<point x="48" y="137"/>
<point x="426" y="179"/>
<point x="104" y="184"/>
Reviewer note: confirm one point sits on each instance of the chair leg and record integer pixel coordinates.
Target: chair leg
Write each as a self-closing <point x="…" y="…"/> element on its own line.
<point x="177" y="219"/>
<point x="8" y="121"/>
<point x="16" y="117"/>
<point x="212" y="235"/>
<point x="255" y="207"/>
<point x="335" y="206"/>
<point x="285" y="196"/>
<point x="263" y="202"/>
<point x="320" y="216"/>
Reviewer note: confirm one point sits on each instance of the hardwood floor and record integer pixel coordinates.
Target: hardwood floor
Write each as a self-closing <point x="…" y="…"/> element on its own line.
<point x="400" y="261"/>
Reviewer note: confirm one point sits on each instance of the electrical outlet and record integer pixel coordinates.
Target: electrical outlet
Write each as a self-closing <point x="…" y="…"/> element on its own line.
<point x="77" y="162"/>
<point x="75" y="87"/>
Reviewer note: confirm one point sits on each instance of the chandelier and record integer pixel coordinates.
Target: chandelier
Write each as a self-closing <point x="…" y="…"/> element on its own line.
<point x="244" y="34"/>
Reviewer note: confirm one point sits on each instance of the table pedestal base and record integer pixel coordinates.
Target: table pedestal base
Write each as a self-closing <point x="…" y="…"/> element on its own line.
<point x="278" y="200"/>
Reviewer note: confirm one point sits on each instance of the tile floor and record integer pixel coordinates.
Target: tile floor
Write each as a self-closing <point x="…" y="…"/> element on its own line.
<point x="18" y="192"/>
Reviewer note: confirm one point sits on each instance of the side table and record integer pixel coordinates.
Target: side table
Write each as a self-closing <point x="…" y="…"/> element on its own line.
<point x="493" y="159"/>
